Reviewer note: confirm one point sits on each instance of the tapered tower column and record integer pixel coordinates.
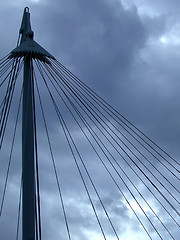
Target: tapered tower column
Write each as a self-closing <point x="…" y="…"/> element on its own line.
<point x="28" y="175"/>
<point x="28" y="50"/>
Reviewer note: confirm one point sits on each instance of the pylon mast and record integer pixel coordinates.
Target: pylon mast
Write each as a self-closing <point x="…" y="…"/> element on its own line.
<point x="29" y="50"/>
<point x="28" y="175"/>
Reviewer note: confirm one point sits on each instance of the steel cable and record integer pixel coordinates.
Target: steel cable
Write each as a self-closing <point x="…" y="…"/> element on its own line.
<point x="130" y="205"/>
<point x="19" y="211"/>
<point x="10" y="156"/>
<point x="171" y="235"/>
<point x="137" y="148"/>
<point x="91" y="96"/>
<point x="67" y="133"/>
<point x="89" y="107"/>
<point x="115" y="112"/>
<point x="53" y="161"/>
<point x="38" y="217"/>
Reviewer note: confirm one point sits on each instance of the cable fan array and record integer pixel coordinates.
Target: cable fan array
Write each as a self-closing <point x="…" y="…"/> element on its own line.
<point x="144" y="176"/>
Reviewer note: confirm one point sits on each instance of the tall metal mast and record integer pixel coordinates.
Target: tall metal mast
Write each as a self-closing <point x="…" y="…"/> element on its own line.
<point x="29" y="50"/>
<point x="28" y="175"/>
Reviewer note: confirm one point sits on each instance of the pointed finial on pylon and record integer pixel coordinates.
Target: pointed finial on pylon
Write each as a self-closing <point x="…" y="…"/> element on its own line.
<point x="25" y="29"/>
<point x="27" y="44"/>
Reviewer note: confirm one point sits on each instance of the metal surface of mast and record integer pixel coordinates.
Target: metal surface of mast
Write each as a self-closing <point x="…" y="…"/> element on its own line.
<point x="28" y="175"/>
<point x="29" y="50"/>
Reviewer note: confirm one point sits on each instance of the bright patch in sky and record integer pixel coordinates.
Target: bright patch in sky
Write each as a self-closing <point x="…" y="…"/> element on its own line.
<point x="163" y="40"/>
<point x="170" y="39"/>
<point x="136" y="207"/>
